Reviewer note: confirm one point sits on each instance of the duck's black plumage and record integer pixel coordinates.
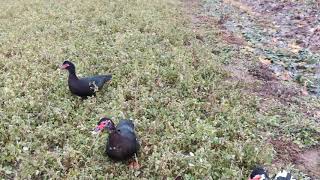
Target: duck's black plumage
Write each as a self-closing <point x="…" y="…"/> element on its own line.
<point x="84" y="87"/>
<point x="122" y="142"/>
<point x="261" y="172"/>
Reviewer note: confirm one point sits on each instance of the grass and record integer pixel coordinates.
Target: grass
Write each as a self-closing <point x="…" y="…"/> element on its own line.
<point x="190" y="121"/>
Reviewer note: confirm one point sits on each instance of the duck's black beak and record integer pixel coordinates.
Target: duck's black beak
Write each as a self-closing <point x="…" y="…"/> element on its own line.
<point x="96" y="130"/>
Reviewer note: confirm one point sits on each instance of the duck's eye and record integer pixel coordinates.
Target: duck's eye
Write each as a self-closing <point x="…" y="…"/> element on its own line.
<point x="104" y="123"/>
<point x="118" y="130"/>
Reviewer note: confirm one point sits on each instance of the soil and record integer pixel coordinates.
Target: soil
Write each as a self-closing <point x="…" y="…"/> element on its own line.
<point x="266" y="78"/>
<point x="286" y="33"/>
<point x="307" y="160"/>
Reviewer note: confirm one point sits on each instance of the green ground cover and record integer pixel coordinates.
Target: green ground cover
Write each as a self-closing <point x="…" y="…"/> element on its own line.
<point x="191" y="121"/>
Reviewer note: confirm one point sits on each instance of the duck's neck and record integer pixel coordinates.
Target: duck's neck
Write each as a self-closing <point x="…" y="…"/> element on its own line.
<point x="72" y="74"/>
<point x="112" y="129"/>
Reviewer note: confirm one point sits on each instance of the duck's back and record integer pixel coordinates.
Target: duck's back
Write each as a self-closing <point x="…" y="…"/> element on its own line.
<point x="99" y="80"/>
<point x="123" y="143"/>
<point x="121" y="148"/>
<point x="87" y="86"/>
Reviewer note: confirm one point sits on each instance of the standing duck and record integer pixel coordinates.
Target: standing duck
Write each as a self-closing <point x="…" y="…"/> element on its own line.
<point x="84" y="87"/>
<point x="122" y="143"/>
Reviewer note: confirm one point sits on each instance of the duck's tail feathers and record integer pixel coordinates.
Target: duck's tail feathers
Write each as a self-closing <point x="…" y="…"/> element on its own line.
<point x="107" y="77"/>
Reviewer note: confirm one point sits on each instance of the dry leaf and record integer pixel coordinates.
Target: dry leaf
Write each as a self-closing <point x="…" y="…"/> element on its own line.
<point x="242" y="7"/>
<point x="304" y="90"/>
<point x="317" y="114"/>
<point x="249" y="49"/>
<point x="294" y="47"/>
<point x="286" y="76"/>
<point x="274" y="40"/>
<point x="134" y="165"/>
<point x="264" y="61"/>
<point x="301" y="23"/>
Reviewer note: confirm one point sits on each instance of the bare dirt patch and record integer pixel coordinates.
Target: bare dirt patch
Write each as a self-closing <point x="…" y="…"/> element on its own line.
<point x="232" y="38"/>
<point x="276" y="90"/>
<point x="262" y="72"/>
<point x="287" y="151"/>
<point x="307" y="160"/>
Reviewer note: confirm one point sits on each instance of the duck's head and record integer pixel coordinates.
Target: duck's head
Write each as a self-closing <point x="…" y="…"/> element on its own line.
<point x="259" y="173"/>
<point x="105" y="123"/>
<point x="68" y="65"/>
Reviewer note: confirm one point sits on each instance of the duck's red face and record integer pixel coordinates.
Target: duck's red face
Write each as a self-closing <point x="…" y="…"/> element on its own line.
<point x="64" y="66"/>
<point x="104" y="123"/>
<point x="258" y="177"/>
<point x="67" y="65"/>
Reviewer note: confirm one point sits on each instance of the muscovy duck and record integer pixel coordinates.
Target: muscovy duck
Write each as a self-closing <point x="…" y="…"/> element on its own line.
<point x="122" y="142"/>
<point x="284" y="175"/>
<point x="258" y="173"/>
<point x="84" y="87"/>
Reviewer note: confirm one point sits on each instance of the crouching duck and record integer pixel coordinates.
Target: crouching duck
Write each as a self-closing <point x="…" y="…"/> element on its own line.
<point x="84" y="87"/>
<point x="122" y="143"/>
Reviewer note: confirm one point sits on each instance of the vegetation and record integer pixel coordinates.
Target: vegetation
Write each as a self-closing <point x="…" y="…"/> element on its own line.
<point x="191" y="121"/>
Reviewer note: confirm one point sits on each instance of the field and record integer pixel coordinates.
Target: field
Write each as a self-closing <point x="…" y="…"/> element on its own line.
<point x="204" y="104"/>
